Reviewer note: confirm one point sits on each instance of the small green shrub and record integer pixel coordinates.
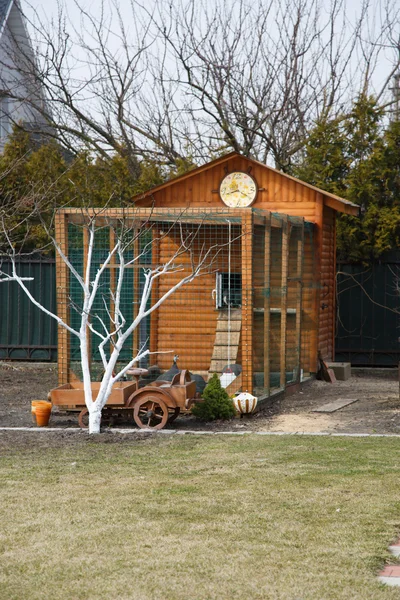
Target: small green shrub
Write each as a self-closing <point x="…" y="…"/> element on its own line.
<point x="216" y="402"/>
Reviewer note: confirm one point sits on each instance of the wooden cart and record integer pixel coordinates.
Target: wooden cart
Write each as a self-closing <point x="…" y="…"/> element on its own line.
<point x="151" y="407"/>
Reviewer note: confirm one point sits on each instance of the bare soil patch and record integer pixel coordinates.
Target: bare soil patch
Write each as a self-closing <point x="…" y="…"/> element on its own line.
<point x="376" y="410"/>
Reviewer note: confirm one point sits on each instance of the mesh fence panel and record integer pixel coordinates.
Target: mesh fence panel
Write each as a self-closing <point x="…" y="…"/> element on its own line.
<point x="205" y="322"/>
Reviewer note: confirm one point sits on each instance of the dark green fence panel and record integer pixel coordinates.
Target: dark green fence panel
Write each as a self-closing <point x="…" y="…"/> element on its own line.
<point x="368" y="313"/>
<point x="26" y="333"/>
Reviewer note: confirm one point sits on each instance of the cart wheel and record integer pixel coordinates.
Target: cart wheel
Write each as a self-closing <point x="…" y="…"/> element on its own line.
<point x="150" y="412"/>
<point x="83" y="418"/>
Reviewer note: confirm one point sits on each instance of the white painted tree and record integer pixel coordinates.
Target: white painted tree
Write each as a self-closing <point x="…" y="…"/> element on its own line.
<point x="116" y="330"/>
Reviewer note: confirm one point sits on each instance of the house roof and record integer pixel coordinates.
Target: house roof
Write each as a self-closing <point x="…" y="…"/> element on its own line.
<point x="335" y="202"/>
<point x="5" y="7"/>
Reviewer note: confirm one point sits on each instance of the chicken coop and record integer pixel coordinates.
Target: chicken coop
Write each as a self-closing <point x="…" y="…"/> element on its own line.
<point x="262" y="298"/>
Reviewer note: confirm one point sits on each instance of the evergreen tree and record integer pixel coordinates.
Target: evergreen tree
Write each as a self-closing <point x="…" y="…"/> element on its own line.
<point x="32" y="173"/>
<point x="216" y="402"/>
<point x="358" y="159"/>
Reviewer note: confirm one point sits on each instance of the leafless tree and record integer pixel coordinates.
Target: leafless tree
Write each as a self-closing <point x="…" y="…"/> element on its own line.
<point x="192" y="78"/>
<point x="189" y="259"/>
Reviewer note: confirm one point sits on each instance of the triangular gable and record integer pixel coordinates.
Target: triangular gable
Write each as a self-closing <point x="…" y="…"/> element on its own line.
<point x="331" y="200"/>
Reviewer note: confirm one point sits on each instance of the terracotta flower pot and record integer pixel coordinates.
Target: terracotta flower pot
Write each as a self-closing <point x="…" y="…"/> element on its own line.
<point x="36" y="403"/>
<point x="43" y="414"/>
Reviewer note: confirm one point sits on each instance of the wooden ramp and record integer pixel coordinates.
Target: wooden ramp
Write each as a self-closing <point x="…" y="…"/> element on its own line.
<point x="219" y="358"/>
<point x="334" y="406"/>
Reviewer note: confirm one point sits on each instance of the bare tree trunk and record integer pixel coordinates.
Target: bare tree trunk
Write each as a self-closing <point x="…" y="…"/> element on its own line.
<point x="94" y="419"/>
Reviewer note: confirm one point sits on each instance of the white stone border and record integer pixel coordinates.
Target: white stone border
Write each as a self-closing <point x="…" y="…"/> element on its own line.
<point x="194" y="432"/>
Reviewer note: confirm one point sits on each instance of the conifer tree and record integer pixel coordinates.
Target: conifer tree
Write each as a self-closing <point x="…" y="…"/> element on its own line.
<point x="358" y="158"/>
<point x="216" y="402"/>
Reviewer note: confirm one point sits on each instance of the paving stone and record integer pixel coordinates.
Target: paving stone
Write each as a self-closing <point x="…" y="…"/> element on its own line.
<point x="395" y="550"/>
<point x="390" y="571"/>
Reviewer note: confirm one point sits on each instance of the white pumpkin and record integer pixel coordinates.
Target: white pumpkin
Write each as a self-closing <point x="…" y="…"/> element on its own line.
<point x="245" y="403"/>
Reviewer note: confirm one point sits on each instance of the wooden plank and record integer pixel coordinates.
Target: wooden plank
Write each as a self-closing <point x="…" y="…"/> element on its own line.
<point x="62" y="286"/>
<point x="284" y="282"/>
<point x="235" y="386"/>
<point x="247" y="302"/>
<point x="334" y="288"/>
<point x="318" y="232"/>
<point x="226" y="343"/>
<point x="299" y="274"/>
<point x="336" y="405"/>
<point x="267" y="303"/>
<point x="136" y="292"/>
<point x="340" y="206"/>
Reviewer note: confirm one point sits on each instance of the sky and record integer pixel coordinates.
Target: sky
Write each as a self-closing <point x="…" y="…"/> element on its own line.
<point x="48" y="8"/>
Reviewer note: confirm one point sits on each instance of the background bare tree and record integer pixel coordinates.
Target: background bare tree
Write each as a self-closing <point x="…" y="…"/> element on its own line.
<point x="190" y="78"/>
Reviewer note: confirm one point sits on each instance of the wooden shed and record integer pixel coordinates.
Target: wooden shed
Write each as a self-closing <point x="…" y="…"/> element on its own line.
<point x="268" y="304"/>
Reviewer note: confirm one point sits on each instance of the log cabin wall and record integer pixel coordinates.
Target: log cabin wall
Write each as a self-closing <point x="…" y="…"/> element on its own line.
<point x="177" y="328"/>
<point x="328" y="286"/>
<point x="187" y="321"/>
<point x="277" y="193"/>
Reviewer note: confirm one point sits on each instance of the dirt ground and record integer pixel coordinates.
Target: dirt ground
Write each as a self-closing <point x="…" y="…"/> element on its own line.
<point x="377" y="409"/>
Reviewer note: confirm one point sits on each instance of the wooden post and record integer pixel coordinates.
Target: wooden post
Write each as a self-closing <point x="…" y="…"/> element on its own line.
<point x="284" y="286"/>
<point x="136" y="289"/>
<point x="299" y="303"/>
<point x="334" y="296"/>
<point x="318" y="230"/>
<point x="112" y="271"/>
<point x="62" y="285"/>
<point x="155" y="259"/>
<point x="247" y="301"/>
<point x="85" y="257"/>
<point x="267" y="304"/>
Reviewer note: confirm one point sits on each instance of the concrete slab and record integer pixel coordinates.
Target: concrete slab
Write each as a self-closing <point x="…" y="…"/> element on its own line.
<point x="342" y="370"/>
<point x="393" y="581"/>
<point x="395" y="550"/>
<point x="334" y="406"/>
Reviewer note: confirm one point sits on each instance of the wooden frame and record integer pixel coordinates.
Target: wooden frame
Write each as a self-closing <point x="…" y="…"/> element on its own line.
<point x="267" y="304"/>
<point x="299" y="303"/>
<point x="62" y="287"/>
<point x="284" y="290"/>
<point x="246" y="219"/>
<point x="247" y="302"/>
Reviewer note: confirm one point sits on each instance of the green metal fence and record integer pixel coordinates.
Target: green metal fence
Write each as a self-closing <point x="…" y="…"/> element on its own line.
<point x="26" y="333"/>
<point x="368" y="313"/>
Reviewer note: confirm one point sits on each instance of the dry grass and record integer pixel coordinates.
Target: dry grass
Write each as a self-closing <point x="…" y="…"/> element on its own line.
<point x="199" y="517"/>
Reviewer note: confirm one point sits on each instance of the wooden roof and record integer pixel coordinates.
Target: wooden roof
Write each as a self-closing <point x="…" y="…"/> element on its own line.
<point x="335" y="202"/>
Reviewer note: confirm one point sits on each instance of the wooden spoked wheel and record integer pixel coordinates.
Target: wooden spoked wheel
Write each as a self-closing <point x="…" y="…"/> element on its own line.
<point x="150" y="412"/>
<point x="83" y="419"/>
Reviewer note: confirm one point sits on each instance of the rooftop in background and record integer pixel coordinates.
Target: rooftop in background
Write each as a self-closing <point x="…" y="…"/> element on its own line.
<point x="5" y="7"/>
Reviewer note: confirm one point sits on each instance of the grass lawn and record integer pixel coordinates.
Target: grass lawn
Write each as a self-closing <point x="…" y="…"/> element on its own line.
<point x="216" y="517"/>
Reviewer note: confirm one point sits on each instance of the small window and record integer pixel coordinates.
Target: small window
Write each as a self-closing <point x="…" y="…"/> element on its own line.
<point x="229" y="290"/>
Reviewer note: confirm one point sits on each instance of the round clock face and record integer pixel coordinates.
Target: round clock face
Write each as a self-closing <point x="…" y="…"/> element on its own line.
<point x="238" y="190"/>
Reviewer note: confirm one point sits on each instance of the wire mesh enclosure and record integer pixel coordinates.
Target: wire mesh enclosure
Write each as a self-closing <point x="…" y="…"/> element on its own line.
<point x="230" y="287"/>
